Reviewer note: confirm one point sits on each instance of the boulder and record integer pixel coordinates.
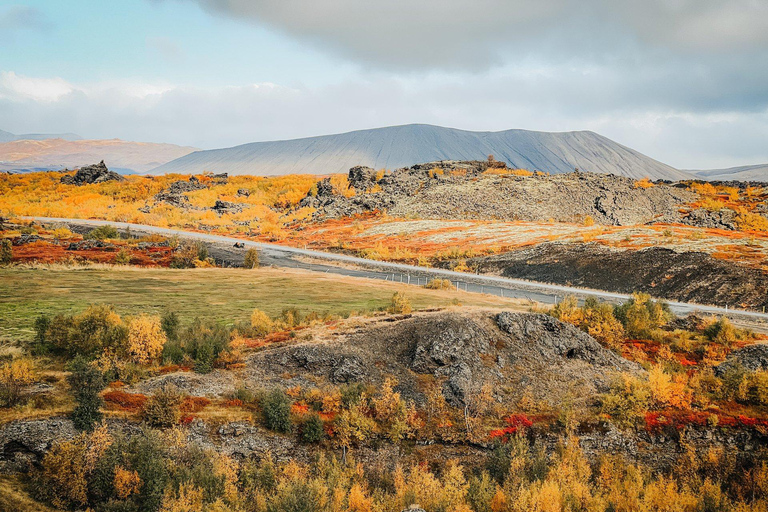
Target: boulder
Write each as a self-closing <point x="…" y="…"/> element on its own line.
<point x="89" y="174"/>
<point x="222" y="207"/>
<point x="361" y="178"/>
<point x="750" y="358"/>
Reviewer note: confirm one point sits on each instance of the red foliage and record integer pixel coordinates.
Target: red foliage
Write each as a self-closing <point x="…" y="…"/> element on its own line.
<point x="125" y="401"/>
<point x="186" y="419"/>
<point x="658" y="420"/>
<point x="194" y="404"/>
<point x="299" y="409"/>
<point x="515" y="423"/>
<point x="235" y="402"/>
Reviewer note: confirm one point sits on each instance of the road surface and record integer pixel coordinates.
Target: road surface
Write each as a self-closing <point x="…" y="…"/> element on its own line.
<point x="281" y="255"/>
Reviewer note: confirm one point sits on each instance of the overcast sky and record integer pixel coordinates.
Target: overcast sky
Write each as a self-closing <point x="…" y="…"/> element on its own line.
<point x="683" y="81"/>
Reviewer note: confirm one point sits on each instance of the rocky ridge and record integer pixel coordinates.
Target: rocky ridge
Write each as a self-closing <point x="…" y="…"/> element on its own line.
<point x="461" y="190"/>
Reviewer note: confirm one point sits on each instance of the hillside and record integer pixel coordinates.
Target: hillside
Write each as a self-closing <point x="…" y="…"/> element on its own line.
<point x="399" y="146"/>
<point x="122" y="156"/>
<point x="743" y="173"/>
<point x="8" y="136"/>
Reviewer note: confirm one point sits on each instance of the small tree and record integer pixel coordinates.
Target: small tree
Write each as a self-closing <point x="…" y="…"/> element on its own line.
<point x="312" y="429"/>
<point x="145" y="339"/>
<point x="251" y="259"/>
<point x="6" y="252"/>
<point x="14" y="377"/>
<point x="170" y="324"/>
<point x="86" y="382"/>
<point x="276" y="409"/>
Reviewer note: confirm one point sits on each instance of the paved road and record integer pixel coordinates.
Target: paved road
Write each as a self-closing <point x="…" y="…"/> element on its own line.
<point x="285" y="256"/>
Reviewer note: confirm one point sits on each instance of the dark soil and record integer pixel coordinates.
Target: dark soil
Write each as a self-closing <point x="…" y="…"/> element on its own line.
<point x="687" y="277"/>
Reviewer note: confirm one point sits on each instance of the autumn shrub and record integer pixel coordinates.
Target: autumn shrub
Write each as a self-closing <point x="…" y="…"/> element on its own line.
<point x="276" y="411"/>
<point x="6" y="252"/>
<point x="102" y="233"/>
<point x="641" y="315"/>
<point x="190" y="255"/>
<point x="400" y="304"/>
<point x="162" y="409"/>
<point x="146" y="339"/>
<point x="748" y="221"/>
<point x="123" y="257"/>
<point x="261" y="323"/>
<point x="251" y="259"/>
<point x="628" y="398"/>
<point x="15" y="375"/>
<point x="439" y="284"/>
<point x="85" y="382"/>
<point x="87" y="334"/>
<point x="202" y="342"/>
<point x="722" y="331"/>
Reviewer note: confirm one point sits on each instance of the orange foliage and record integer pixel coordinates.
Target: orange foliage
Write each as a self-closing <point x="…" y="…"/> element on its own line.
<point x="125" y="401"/>
<point x="644" y="183"/>
<point x="193" y="404"/>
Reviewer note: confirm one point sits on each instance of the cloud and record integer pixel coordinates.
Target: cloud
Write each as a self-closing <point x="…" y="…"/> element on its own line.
<point x="21" y="17"/>
<point x="478" y="35"/>
<point x="44" y="90"/>
<point x="530" y="98"/>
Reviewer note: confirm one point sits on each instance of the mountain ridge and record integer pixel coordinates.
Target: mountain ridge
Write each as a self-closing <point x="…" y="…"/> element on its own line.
<point x="55" y="154"/>
<point x="400" y="146"/>
<point x="757" y="172"/>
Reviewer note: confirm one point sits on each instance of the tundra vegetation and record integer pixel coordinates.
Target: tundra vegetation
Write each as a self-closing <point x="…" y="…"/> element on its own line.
<point x="95" y="335"/>
<point x="157" y="468"/>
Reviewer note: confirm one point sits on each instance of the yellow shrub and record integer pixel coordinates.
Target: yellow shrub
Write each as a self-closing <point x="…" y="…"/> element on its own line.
<point x="146" y="339"/>
<point x="261" y="323"/>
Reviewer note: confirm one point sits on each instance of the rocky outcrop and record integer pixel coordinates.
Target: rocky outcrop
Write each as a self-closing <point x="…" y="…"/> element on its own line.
<point x="750" y="358"/>
<point x="721" y="219"/>
<point x="89" y="174"/>
<point x="462" y="190"/>
<point x="516" y="353"/>
<point x="22" y="443"/>
<point x="175" y="194"/>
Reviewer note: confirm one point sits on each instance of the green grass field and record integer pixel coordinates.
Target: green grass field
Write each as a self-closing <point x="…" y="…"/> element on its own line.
<point x="224" y="294"/>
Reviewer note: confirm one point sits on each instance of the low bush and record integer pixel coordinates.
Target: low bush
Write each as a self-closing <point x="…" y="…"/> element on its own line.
<point x="251" y="259"/>
<point x="102" y="233"/>
<point x="6" y="252"/>
<point x="163" y="409"/>
<point x="276" y="411"/>
<point x="400" y="304"/>
<point x="15" y="375"/>
<point x="439" y="284"/>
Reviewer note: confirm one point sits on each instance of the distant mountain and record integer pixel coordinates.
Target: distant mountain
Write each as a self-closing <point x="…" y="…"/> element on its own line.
<point x="400" y="146"/>
<point x="9" y="137"/>
<point x="54" y="154"/>
<point x="743" y="173"/>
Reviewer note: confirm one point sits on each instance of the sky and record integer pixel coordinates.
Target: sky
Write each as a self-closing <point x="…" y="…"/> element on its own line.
<point x="683" y="81"/>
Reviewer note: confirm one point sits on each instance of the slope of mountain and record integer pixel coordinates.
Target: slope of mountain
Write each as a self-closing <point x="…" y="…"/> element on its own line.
<point x="53" y="154"/>
<point x="400" y="146"/>
<point x="8" y="136"/>
<point x="743" y="173"/>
